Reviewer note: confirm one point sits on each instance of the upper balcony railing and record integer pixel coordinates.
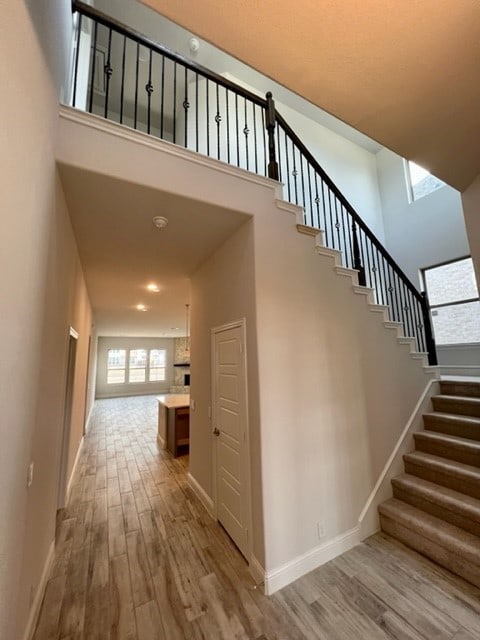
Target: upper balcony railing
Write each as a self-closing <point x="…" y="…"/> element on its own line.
<point x="122" y="75"/>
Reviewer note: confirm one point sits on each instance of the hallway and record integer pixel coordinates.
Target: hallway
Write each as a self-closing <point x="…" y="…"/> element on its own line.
<point x="138" y="557"/>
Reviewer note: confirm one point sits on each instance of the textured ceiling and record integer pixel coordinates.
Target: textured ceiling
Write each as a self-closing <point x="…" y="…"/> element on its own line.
<point x="404" y="73"/>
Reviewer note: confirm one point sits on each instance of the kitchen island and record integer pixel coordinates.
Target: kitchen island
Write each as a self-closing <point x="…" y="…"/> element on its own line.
<point x="174" y="422"/>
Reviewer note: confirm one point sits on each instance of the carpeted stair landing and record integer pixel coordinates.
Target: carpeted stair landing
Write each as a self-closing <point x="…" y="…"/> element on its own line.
<point x="436" y="505"/>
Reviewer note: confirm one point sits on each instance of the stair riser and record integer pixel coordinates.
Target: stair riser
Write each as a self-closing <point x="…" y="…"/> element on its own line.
<point x="458" y="407"/>
<point x="449" y="559"/>
<point x="460" y="430"/>
<point x="445" y="451"/>
<point x="468" y="486"/>
<point x="459" y="389"/>
<point x="437" y="510"/>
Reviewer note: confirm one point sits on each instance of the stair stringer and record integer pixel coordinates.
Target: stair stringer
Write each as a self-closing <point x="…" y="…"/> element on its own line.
<point x="381" y="311"/>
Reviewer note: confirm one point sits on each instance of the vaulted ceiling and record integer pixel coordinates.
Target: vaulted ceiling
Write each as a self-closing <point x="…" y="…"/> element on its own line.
<point x="407" y="74"/>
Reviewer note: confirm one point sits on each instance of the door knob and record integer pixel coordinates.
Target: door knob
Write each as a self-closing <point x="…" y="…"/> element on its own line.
<point x="216" y="432"/>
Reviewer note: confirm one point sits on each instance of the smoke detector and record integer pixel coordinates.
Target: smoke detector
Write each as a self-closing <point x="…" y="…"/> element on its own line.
<point x="194" y="45"/>
<point x="160" y="222"/>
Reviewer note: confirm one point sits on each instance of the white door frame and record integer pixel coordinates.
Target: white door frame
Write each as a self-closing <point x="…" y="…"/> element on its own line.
<point x="67" y="420"/>
<point x="248" y="485"/>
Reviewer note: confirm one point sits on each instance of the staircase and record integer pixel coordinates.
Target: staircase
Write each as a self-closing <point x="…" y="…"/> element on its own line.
<point x="436" y="505"/>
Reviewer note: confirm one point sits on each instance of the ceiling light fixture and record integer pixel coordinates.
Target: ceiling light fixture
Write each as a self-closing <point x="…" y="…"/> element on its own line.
<point x="160" y="222"/>
<point x="153" y="287"/>
<point x="141" y="307"/>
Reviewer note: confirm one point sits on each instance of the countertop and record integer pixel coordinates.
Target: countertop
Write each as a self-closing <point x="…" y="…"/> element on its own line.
<point x="174" y="400"/>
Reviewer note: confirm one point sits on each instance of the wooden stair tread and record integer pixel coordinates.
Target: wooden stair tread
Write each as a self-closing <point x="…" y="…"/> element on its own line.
<point x="460" y="399"/>
<point x="454" y="442"/>
<point x="443" y="496"/>
<point x="444" y="465"/>
<point x="455" y="540"/>
<point x="452" y="417"/>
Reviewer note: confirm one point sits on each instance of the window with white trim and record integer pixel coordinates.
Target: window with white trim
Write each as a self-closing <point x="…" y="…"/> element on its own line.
<point x="454" y="302"/>
<point x="136" y="366"/>
<point x="420" y="182"/>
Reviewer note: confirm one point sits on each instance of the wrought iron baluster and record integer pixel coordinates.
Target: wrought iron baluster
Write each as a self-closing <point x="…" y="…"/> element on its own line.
<point x="186" y="107"/>
<point x="174" y="103"/>
<point x="246" y="132"/>
<point x="92" y="80"/>
<point x="228" y="124"/>
<point x="310" y="201"/>
<point x="288" y="168"/>
<point x="255" y="143"/>
<point x="237" y="136"/>
<point x="264" y="128"/>
<point x="162" y="98"/>
<point x="149" y="90"/>
<point x="136" y="88"/>
<point x="196" y="112"/>
<point x="108" y="72"/>
<point x="317" y="200"/>
<point x="77" y="53"/>
<point x="122" y="88"/>
<point x="218" y="119"/>
<point x="357" y="260"/>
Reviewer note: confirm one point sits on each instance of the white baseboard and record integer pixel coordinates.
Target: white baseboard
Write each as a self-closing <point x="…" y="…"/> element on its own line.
<point x="287" y="573"/>
<point x="368" y="519"/>
<point x="201" y="494"/>
<point x="256" y="570"/>
<point x="70" y="481"/>
<point x="37" y="601"/>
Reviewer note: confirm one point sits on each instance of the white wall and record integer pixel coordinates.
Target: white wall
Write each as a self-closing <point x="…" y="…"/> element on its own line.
<point x="426" y="232"/>
<point x="104" y="390"/>
<point x="38" y="251"/>
<point x="223" y="290"/>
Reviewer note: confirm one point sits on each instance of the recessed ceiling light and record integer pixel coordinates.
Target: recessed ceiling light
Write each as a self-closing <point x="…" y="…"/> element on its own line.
<point x="141" y="307"/>
<point x="160" y="222"/>
<point x="174" y="328"/>
<point x="153" y="287"/>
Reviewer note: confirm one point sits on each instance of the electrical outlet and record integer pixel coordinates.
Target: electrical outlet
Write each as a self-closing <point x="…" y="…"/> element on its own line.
<point x="192" y="404"/>
<point x="321" y="529"/>
<point x="30" y="474"/>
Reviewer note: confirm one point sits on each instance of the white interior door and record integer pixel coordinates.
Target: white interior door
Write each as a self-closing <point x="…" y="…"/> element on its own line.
<point x="230" y="429"/>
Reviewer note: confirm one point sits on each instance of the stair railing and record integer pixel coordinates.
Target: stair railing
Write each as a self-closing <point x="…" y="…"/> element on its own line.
<point x="122" y="75"/>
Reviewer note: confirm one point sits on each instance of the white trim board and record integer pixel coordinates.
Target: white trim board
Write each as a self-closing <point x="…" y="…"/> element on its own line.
<point x="74" y="468"/>
<point x="298" y="567"/>
<point x="368" y="520"/>
<point x="256" y="570"/>
<point x="201" y="494"/>
<point x="37" y="601"/>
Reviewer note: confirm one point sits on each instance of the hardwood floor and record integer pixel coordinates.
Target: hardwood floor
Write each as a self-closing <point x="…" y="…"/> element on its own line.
<point x="138" y="558"/>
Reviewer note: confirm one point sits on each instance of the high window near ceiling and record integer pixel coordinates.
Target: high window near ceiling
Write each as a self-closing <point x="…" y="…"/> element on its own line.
<point x="419" y="181"/>
<point x="453" y="296"/>
<point x="125" y="366"/>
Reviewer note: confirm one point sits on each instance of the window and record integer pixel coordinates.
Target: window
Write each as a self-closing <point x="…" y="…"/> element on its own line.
<point x="157" y="365"/>
<point x="116" y="359"/>
<point x="136" y="365"/>
<point x="419" y="181"/>
<point x="453" y="296"/>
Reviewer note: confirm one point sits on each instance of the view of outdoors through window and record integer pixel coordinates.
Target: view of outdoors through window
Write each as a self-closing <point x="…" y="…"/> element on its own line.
<point x="453" y="295"/>
<point x="136" y="365"/>
<point x="420" y="181"/>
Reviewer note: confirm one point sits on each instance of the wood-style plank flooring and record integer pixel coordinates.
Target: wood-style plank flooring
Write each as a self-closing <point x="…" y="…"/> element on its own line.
<point x="138" y="558"/>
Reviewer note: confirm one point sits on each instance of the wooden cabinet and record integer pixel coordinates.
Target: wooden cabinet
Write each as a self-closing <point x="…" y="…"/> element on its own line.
<point x="178" y="430"/>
